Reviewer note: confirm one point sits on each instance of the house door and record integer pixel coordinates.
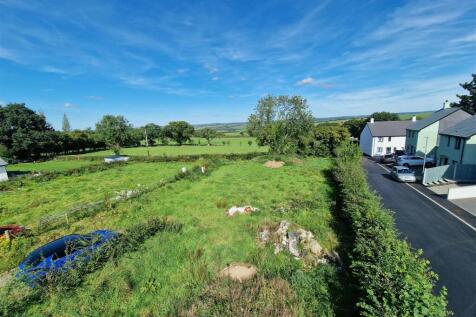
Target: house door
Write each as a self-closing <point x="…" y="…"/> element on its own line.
<point x="388" y="150"/>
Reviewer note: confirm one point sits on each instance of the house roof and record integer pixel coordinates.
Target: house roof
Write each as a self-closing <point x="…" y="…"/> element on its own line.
<point x="389" y="128"/>
<point x="464" y="129"/>
<point x="436" y="116"/>
<point x="2" y="162"/>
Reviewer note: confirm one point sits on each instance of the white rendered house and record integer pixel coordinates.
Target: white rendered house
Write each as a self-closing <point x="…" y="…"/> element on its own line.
<point x="383" y="137"/>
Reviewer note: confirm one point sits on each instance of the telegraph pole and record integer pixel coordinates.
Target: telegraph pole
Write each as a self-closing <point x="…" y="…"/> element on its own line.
<point x="147" y="142"/>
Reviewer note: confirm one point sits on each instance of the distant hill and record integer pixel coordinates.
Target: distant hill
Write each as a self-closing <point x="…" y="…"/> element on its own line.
<point x="234" y="127"/>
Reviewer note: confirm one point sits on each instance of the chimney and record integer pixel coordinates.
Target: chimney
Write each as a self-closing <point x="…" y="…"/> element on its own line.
<point x="413" y="118"/>
<point x="446" y="104"/>
<point x="371" y="120"/>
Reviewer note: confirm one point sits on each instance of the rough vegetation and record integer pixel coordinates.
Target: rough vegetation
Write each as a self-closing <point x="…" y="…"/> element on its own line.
<point x="390" y="278"/>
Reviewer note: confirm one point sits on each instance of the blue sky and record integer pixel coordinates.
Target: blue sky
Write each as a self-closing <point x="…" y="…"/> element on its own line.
<point x="210" y="61"/>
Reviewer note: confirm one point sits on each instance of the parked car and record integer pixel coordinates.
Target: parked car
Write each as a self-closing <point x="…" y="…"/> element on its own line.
<point x="403" y="174"/>
<point x="411" y="160"/>
<point x="13" y="230"/>
<point x="399" y="153"/>
<point x="387" y="158"/>
<point x="61" y="255"/>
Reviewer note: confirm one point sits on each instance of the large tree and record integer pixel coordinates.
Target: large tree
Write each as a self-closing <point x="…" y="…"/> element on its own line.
<point x="384" y="116"/>
<point x="115" y="131"/>
<point x="153" y="132"/>
<point x="283" y="123"/>
<point x="208" y="134"/>
<point x="179" y="131"/>
<point x="327" y="137"/>
<point x="467" y="102"/>
<point x="21" y="130"/>
<point x="355" y="126"/>
<point x="66" y="125"/>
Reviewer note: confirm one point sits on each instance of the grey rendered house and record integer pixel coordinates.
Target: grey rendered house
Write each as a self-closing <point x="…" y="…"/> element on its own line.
<point x="458" y="143"/>
<point x="423" y="137"/>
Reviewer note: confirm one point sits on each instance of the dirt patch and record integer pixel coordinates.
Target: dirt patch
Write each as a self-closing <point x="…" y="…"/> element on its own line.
<point x="239" y="272"/>
<point x="274" y="164"/>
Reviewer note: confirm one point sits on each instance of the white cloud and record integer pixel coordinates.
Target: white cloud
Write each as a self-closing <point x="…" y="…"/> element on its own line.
<point x="182" y="70"/>
<point x="215" y="78"/>
<point x="211" y="69"/>
<point x="69" y="105"/>
<point x="94" y="97"/>
<point x="54" y="70"/>
<point x="406" y="95"/>
<point x="306" y="81"/>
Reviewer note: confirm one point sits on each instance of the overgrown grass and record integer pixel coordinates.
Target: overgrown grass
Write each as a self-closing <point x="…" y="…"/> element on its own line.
<point x="173" y="273"/>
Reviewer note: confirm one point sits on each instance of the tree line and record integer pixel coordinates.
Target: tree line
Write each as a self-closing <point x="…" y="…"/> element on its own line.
<point x="26" y="134"/>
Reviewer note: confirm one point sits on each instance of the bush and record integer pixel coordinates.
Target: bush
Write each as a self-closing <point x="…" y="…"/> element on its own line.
<point x="391" y="279"/>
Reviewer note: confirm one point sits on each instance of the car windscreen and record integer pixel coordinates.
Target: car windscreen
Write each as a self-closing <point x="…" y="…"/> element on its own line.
<point x="59" y="248"/>
<point x="405" y="171"/>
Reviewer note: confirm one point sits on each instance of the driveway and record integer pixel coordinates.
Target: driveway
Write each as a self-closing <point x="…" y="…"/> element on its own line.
<point x="446" y="233"/>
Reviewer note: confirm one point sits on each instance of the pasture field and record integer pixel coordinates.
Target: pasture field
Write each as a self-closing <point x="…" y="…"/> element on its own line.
<point x="231" y="145"/>
<point x="55" y="165"/>
<point x="28" y="204"/>
<point x="177" y="273"/>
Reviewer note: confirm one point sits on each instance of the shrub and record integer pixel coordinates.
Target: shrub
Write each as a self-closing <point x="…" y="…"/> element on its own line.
<point x="391" y="279"/>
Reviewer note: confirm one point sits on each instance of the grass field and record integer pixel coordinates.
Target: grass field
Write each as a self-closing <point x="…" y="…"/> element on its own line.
<point x="27" y="204"/>
<point x="49" y="166"/>
<point x="235" y="145"/>
<point x="176" y="273"/>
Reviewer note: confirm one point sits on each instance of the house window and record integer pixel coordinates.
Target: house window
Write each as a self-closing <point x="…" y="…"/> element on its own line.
<point x="389" y="138"/>
<point x="457" y="143"/>
<point x="379" y="149"/>
<point x="449" y="141"/>
<point x="388" y="150"/>
<point x="380" y="139"/>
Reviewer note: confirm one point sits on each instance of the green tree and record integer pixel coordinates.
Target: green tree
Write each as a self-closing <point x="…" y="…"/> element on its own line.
<point x="283" y="123"/>
<point x="355" y="126"/>
<point x="114" y="131"/>
<point x="208" y="134"/>
<point x="66" y="125"/>
<point x="384" y="116"/>
<point x="468" y="102"/>
<point x="153" y="132"/>
<point x="327" y="137"/>
<point x="21" y="130"/>
<point x="179" y="131"/>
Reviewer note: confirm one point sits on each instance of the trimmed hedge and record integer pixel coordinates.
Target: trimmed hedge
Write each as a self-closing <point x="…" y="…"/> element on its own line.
<point x="390" y="278"/>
